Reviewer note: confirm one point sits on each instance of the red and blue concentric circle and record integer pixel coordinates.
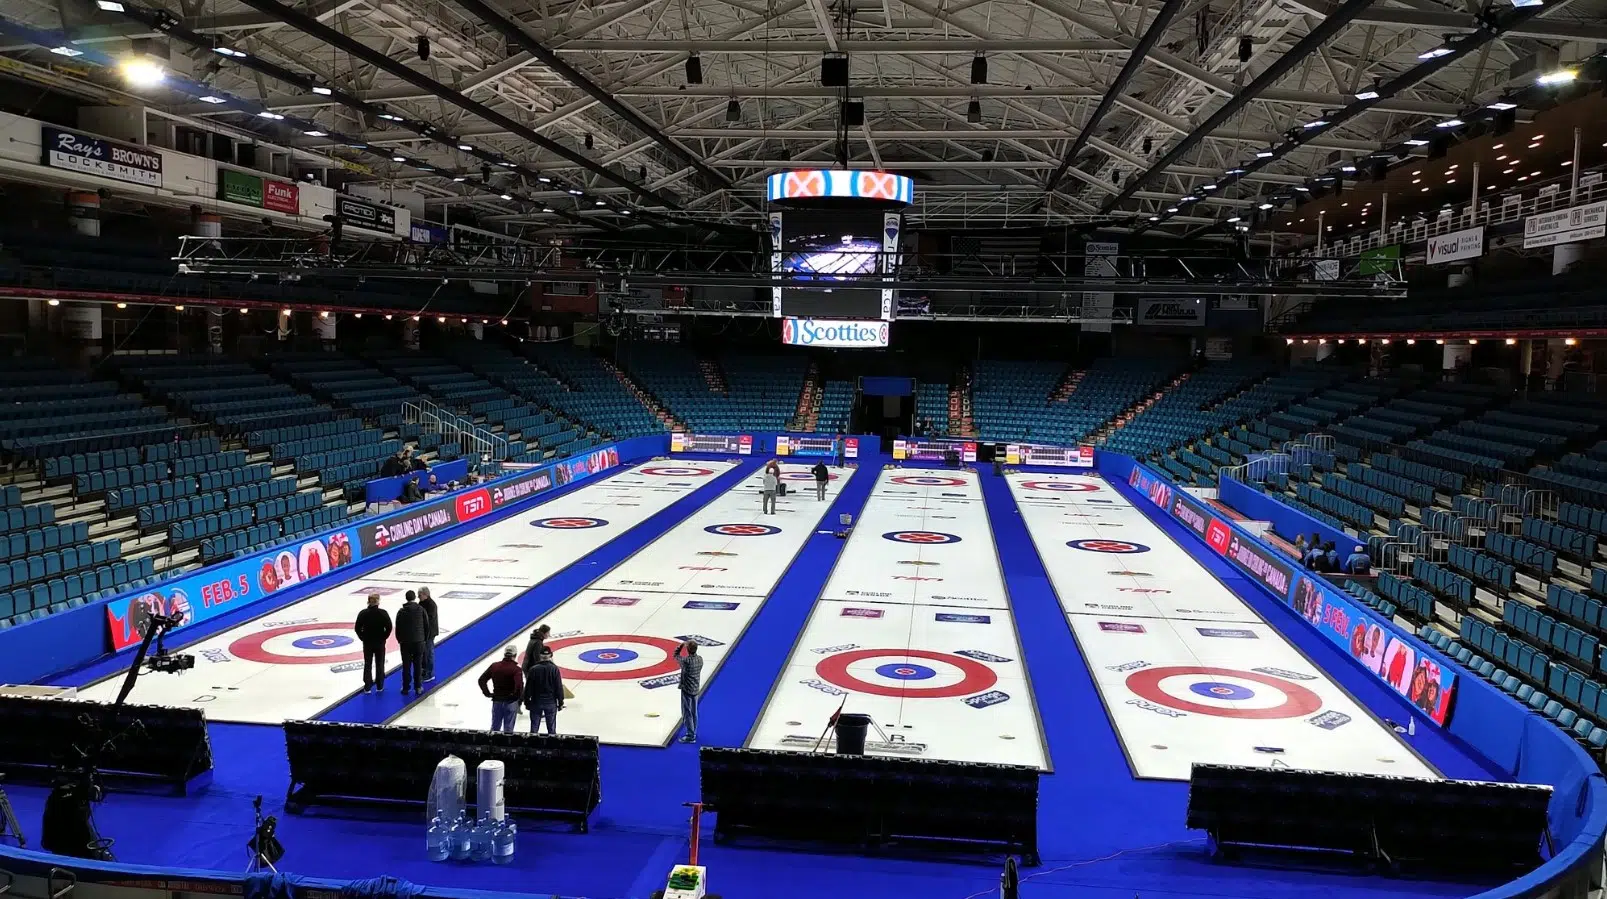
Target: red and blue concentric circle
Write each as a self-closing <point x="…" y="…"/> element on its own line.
<point x="743" y="530"/>
<point x="898" y="673"/>
<point x="924" y="480"/>
<point x="322" y="643"/>
<point x="677" y="471"/>
<point x="921" y="538"/>
<point x="1175" y="686"/>
<point x="614" y="656"/>
<point x="1060" y="486"/>
<point x="574" y="523"/>
<point x="1108" y="546"/>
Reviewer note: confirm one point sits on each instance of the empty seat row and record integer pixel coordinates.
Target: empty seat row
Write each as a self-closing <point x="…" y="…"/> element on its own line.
<point x="1573" y="604"/>
<point x="1488" y="569"/>
<point x="20" y="544"/>
<point x="188" y="531"/>
<point x="252" y="493"/>
<point x="1522" y="552"/>
<point x="267" y="510"/>
<point x="1442" y="581"/>
<point x="24" y="604"/>
<point x="1550" y="633"/>
<point x="94" y="482"/>
<point x="17" y="518"/>
<point x="145" y="494"/>
<point x="1407" y="595"/>
<point x="1578" y="544"/>
<point x="194" y="465"/>
<point x="164" y="513"/>
<point x="1434" y="476"/>
<point x="51" y="563"/>
<point x="234" y="477"/>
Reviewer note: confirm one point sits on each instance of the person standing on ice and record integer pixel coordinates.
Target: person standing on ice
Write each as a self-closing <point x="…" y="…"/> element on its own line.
<point x="691" y="679"/>
<point x="412" y="628"/>
<point x="767" y="491"/>
<point x="373" y="628"/>
<point x="503" y="683"/>
<point x="821" y="477"/>
<point x="432" y="629"/>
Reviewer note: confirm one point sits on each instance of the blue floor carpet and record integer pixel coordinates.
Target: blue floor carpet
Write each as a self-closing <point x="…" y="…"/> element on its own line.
<point x="1104" y="835"/>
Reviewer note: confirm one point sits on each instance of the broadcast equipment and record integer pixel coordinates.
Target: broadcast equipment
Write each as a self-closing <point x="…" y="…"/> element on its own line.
<point x="68" y="827"/>
<point x="8" y="822"/>
<point x="264" y="846"/>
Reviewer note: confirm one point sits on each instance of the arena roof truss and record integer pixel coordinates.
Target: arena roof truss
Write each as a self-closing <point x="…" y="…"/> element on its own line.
<point x="606" y="86"/>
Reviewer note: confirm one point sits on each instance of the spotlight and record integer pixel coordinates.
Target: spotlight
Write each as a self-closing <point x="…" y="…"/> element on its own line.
<point x="1411" y="341"/>
<point x="504" y="322"/>
<point x="125" y="306"/>
<point x="694" y="69"/>
<point x="979" y="69"/>
<point x="55" y="302"/>
<point x="1569" y="341"/>
<point x="109" y="5"/>
<point x="1559" y="77"/>
<point x="323" y="313"/>
<point x="323" y="91"/>
<point x="1512" y="341"/>
<point x="178" y="308"/>
<point x="142" y="72"/>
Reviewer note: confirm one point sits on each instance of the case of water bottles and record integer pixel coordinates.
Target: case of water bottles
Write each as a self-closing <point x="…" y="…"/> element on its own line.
<point x="457" y="834"/>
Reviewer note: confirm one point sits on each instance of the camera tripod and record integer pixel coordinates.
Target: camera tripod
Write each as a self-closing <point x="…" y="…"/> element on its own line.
<point x="264" y="846"/>
<point x="8" y="821"/>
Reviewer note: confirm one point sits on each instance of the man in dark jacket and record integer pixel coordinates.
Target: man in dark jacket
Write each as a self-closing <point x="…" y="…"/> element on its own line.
<point x="544" y="692"/>
<point x="411" y="631"/>
<point x="432" y="629"/>
<point x="821" y="477"/>
<point x="533" y="649"/>
<point x="373" y="629"/>
<point x="507" y="685"/>
<point x="395" y="465"/>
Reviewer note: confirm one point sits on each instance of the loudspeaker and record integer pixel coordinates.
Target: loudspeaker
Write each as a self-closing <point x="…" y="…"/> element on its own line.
<point x="834" y="70"/>
<point x="853" y="113"/>
<point x="694" y="70"/>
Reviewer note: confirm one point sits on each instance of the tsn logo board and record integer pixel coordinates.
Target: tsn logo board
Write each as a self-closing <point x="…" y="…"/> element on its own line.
<point x="868" y="335"/>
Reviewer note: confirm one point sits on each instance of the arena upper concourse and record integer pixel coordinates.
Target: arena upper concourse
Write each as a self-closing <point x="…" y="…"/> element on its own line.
<point x="1050" y="449"/>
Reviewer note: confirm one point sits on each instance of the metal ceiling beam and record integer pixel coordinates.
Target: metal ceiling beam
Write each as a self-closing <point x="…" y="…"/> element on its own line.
<point x="815" y="48"/>
<point x="1135" y="60"/>
<point x="313" y="28"/>
<point x="1441" y="23"/>
<point x="1325" y="30"/>
<point x="518" y="37"/>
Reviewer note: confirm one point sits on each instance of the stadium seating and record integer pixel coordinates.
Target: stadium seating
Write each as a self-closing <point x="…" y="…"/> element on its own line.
<point x="1041" y="402"/>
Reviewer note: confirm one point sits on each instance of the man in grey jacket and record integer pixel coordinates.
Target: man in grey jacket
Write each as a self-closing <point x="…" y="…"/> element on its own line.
<point x="767" y="490"/>
<point x="691" y="679"/>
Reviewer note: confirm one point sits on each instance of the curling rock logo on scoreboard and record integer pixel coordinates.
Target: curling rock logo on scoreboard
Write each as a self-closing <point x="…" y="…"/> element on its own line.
<point x="821" y="332"/>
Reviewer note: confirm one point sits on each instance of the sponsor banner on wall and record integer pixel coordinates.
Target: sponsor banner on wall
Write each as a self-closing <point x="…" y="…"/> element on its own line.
<point x="1388" y="655"/>
<point x="219" y="589"/>
<point x="63" y="149"/>
<point x="775" y="262"/>
<point x="1182" y="312"/>
<point x="1565" y="226"/>
<point x="1374" y="642"/>
<point x="427" y="232"/>
<point x="238" y="187"/>
<point x="369" y="216"/>
<point x="253" y="190"/>
<point x="281" y="196"/>
<point x="1456" y="246"/>
<point x="821" y="332"/>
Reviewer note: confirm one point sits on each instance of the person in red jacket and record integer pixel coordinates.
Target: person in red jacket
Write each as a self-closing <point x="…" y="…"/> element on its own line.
<point x="507" y="686"/>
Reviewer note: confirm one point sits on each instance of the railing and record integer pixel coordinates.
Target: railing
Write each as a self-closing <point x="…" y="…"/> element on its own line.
<point x="455" y="428"/>
<point x="1502" y="209"/>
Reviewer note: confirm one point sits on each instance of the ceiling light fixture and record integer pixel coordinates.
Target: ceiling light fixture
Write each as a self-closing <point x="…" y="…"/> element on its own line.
<point x="323" y="91"/>
<point x="1450" y="123"/>
<point x="209" y="98"/>
<point x="1559" y="77"/>
<point x="1435" y="53"/>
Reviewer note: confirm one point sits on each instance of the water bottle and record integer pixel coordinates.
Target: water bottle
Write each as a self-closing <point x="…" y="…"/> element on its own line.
<point x="438" y="840"/>
<point x="480" y="850"/>
<point x="503" y="843"/>
<point x="462" y="836"/>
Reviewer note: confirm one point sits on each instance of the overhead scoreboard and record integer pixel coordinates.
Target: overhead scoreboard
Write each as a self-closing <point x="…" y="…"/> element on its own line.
<point x="682" y="442"/>
<point x="1049" y="456"/>
<point x="791" y="445"/>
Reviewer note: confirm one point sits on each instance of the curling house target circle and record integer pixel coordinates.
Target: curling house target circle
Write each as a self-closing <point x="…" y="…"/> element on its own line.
<point x="803" y="476"/>
<point x="677" y="471"/>
<point x="575" y="523"/>
<point x="920" y="480"/>
<point x="921" y="538"/>
<point x="1285" y="699"/>
<point x="617" y="656"/>
<point x="1060" y="486"/>
<point x="958" y="675"/>
<point x="743" y="530"/>
<point x="323" y="644"/>
<point x="1095" y="545"/>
